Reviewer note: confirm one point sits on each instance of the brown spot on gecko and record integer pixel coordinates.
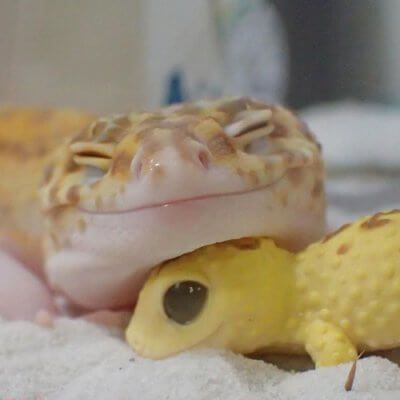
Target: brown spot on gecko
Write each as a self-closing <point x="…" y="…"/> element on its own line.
<point x="98" y="128"/>
<point x="73" y="194"/>
<point x="333" y="234"/>
<point x="220" y="146"/>
<point x="343" y="249"/>
<point x="253" y="178"/>
<point x="71" y="166"/>
<point x="295" y="175"/>
<point x="288" y="157"/>
<point x="279" y="131"/>
<point x="123" y="121"/>
<point x="121" y="164"/>
<point x="56" y="213"/>
<point x="318" y="188"/>
<point x="115" y="134"/>
<point x="47" y="173"/>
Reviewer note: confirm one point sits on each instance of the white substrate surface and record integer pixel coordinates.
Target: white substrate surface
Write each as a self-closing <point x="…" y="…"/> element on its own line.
<point x="77" y="360"/>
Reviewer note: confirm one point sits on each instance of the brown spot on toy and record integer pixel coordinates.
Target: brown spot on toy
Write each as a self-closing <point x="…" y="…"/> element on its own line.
<point x="248" y="243"/>
<point x="375" y="221"/>
<point x="343" y="249"/>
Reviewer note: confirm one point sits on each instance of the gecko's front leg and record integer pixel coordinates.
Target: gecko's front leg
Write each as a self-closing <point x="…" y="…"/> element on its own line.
<point x="327" y="344"/>
<point x="23" y="294"/>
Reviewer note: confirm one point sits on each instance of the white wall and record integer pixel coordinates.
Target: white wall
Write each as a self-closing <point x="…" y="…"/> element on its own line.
<point x="85" y="53"/>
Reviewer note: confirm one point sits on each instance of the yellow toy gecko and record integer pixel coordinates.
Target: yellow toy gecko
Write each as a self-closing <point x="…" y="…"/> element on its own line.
<point x="131" y="191"/>
<point x="332" y="300"/>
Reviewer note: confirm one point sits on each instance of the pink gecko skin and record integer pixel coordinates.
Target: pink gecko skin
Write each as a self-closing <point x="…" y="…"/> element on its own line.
<point x="22" y="293"/>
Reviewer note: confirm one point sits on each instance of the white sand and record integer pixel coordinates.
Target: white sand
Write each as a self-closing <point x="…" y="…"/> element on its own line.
<point x="77" y="360"/>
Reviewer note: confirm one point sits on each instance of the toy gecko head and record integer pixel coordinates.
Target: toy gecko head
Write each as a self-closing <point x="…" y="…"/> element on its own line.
<point x="206" y="297"/>
<point x="133" y="191"/>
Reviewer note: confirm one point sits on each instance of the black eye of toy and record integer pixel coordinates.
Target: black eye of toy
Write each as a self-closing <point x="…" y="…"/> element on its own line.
<point x="184" y="301"/>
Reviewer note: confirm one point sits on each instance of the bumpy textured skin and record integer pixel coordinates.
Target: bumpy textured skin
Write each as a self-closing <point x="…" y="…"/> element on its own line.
<point x="338" y="297"/>
<point x="135" y="190"/>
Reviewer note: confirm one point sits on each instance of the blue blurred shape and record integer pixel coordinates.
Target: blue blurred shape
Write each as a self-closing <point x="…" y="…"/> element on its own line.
<point x="175" y="88"/>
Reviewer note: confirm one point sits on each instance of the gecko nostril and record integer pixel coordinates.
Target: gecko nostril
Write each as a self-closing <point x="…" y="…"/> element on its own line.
<point x="203" y="158"/>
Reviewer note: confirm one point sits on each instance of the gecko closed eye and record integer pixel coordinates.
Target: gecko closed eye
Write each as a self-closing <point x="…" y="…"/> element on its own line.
<point x="184" y="301"/>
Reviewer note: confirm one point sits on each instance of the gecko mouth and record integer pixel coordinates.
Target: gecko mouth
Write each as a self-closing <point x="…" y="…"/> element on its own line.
<point x="142" y="350"/>
<point x="183" y="201"/>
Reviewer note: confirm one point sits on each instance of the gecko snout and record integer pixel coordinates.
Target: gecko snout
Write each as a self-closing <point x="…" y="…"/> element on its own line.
<point x="164" y="161"/>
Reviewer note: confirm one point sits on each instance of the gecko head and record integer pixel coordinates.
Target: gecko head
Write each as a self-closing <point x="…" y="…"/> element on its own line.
<point x="132" y="191"/>
<point x="181" y="153"/>
<point x="217" y="296"/>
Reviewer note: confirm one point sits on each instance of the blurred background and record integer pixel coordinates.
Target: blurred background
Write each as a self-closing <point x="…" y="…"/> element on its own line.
<point x="335" y="61"/>
<point x="108" y="55"/>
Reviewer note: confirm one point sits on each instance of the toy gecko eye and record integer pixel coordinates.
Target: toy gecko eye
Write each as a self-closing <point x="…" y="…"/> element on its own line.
<point x="184" y="301"/>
